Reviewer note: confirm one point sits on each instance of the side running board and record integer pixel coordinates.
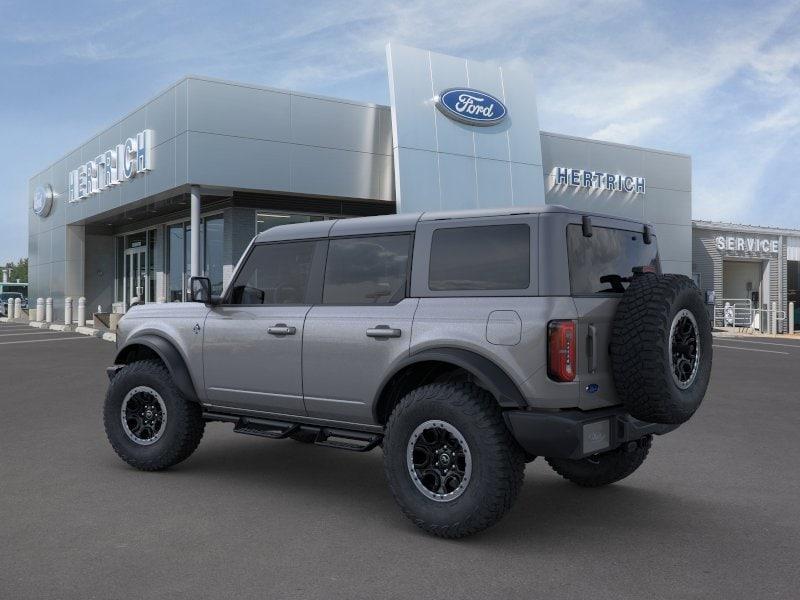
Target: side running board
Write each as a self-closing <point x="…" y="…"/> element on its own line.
<point x="344" y="439"/>
<point x="265" y="428"/>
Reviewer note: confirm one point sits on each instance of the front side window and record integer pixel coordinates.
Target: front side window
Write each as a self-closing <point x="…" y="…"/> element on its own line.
<point x="275" y="274"/>
<point x="367" y="270"/>
<point x="483" y="257"/>
<point x="604" y="263"/>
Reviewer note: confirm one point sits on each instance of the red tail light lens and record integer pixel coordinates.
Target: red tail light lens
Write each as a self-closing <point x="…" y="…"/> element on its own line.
<point x="561" y="350"/>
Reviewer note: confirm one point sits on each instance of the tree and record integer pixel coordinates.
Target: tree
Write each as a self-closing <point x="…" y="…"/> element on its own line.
<point x="19" y="270"/>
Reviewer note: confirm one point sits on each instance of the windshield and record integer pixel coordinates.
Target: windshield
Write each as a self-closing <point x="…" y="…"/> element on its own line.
<point x="6" y="295"/>
<point x="605" y="262"/>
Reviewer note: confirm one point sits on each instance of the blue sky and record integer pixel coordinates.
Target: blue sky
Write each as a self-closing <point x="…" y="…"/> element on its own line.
<point x="718" y="80"/>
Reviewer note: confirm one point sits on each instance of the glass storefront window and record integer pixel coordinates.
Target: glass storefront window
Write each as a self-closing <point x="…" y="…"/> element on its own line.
<point x="179" y="255"/>
<point x="213" y="247"/>
<point x="175" y="262"/>
<point x="265" y="221"/>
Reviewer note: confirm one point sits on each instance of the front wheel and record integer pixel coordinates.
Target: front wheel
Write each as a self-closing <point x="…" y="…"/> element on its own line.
<point x="148" y="422"/>
<point x="450" y="460"/>
<point x="603" y="469"/>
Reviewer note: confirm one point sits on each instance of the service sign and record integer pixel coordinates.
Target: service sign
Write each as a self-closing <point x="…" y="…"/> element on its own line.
<point x="737" y="243"/>
<point x="472" y="107"/>
<point x="112" y="167"/>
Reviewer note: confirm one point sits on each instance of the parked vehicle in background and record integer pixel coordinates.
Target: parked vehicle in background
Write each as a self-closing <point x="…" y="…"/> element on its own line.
<point x="464" y="344"/>
<point x="4" y="299"/>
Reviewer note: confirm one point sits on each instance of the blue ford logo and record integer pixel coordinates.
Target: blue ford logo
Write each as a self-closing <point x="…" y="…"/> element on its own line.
<point x="472" y="107"/>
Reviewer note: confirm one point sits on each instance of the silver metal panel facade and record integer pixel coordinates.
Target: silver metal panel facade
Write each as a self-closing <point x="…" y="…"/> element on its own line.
<point x="667" y="202"/>
<point x="442" y="164"/>
<point x="214" y="134"/>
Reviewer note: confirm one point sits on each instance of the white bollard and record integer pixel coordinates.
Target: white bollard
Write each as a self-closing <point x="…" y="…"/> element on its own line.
<point x="774" y="321"/>
<point x="18" y="308"/>
<point x="40" y="309"/>
<point x="67" y="311"/>
<point x="48" y="310"/>
<point x="82" y="311"/>
<point x="791" y="317"/>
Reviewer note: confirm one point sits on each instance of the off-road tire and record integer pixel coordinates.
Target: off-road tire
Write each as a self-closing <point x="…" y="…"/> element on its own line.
<point x="641" y="362"/>
<point x="498" y="463"/>
<point x="184" y="424"/>
<point x="603" y="469"/>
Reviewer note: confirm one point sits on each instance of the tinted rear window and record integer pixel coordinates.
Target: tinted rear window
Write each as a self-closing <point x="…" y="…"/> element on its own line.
<point x="367" y="270"/>
<point x="604" y="263"/>
<point x="486" y="257"/>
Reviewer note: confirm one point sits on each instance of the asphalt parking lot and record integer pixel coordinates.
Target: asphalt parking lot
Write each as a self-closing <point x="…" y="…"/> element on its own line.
<point x="713" y="513"/>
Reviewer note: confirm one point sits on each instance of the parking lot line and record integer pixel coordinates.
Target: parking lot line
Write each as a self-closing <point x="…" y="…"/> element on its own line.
<point x="745" y="349"/>
<point x="738" y="341"/>
<point x="25" y="332"/>
<point x="53" y="339"/>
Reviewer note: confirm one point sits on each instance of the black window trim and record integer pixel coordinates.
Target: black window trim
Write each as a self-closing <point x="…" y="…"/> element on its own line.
<point x="407" y="287"/>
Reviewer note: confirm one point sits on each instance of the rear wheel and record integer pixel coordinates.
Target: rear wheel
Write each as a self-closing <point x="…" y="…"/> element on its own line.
<point x="451" y="463"/>
<point x="603" y="469"/>
<point x="148" y="422"/>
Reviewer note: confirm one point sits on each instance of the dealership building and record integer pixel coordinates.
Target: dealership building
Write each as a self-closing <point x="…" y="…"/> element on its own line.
<point x="755" y="271"/>
<point x="181" y="185"/>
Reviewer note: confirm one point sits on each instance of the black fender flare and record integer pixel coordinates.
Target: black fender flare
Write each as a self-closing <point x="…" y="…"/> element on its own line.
<point x="494" y="379"/>
<point x="169" y="355"/>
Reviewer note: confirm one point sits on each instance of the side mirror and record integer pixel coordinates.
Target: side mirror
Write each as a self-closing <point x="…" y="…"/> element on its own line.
<point x="200" y="288"/>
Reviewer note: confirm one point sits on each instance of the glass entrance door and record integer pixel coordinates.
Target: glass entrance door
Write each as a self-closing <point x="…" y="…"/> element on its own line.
<point x="135" y="280"/>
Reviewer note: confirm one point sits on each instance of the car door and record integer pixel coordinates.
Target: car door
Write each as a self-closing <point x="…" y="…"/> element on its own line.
<point x="252" y="346"/>
<point x="361" y="328"/>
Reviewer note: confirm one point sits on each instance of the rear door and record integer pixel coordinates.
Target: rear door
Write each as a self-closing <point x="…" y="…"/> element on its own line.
<point x="600" y="268"/>
<point x="361" y="328"/>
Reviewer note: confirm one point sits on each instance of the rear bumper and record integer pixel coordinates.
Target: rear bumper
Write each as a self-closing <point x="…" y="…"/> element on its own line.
<point x="577" y="433"/>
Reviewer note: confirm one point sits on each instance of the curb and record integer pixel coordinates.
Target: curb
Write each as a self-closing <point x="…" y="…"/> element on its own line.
<point x="88" y="331"/>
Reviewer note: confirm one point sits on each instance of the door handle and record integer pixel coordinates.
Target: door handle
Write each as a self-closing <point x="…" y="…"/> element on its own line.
<point x="383" y="331"/>
<point x="592" y="348"/>
<point x="282" y="329"/>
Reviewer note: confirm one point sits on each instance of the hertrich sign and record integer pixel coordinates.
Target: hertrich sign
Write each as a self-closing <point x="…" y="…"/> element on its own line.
<point x="112" y="167"/>
<point x="472" y="107"/>
<point x="613" y="182"/>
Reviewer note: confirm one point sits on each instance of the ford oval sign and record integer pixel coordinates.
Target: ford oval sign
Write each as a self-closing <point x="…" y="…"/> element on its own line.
<point x="43" y="200"/>
<point x="472" y="107"/>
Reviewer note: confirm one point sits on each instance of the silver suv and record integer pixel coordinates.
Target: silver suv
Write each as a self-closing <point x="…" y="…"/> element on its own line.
<point x="465" y="344"/>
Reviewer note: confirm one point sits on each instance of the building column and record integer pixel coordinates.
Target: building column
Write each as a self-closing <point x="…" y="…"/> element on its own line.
<point x="195" y="235"/>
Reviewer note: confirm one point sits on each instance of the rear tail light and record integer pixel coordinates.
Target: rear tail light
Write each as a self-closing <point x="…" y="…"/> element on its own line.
<point x="561" y="350"/>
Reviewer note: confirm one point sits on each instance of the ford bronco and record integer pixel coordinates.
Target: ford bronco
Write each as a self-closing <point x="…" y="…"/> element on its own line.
<point x="464" y="344"/>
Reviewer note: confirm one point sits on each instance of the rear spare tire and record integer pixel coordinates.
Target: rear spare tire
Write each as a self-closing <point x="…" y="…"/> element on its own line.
<point x="661" y="348"/>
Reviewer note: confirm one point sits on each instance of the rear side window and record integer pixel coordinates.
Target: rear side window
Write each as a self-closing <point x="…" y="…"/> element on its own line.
<point x="484" y="257"/>
<point x="604" y="263"/>
<point x="275" y="274"/>
<point x="367" y="270"/>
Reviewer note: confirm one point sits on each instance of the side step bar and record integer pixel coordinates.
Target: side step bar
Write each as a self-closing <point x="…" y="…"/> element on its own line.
<point x="331" y="437"/>
<point x="276" y="430"/>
